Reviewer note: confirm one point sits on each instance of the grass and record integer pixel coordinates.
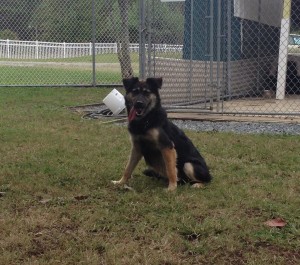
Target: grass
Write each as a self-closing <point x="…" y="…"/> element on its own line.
<point x="58" y="206"/>
<point x="65" y="71"/>
<point x="69" y="71"/>
<point x="56" y="75"/>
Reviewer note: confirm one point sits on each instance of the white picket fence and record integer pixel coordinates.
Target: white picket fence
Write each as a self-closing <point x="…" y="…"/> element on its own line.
<point x="14" y="49"/>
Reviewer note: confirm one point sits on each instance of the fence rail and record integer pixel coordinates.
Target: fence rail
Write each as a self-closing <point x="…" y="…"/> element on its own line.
<point x="13" y="49"/>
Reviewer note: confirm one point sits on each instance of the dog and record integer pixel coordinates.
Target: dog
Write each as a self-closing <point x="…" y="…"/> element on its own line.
<point x="167" y="151"/>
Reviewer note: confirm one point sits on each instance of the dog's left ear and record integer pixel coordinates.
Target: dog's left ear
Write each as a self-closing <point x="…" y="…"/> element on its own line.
<point x="129" y="83"/>
<point x="154" y="82"/>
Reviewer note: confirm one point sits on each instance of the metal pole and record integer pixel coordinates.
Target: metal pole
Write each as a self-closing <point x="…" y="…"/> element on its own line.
<point x="142" y="51"/>
<point x="149" y="68"/>
<point x="259" y="54"/>
<point x="211" y="51"/>
<point x="283" y="49"/>
<point x="94" y="42"/>
<point x="218" y="54"/>
<point x="191" y="50"/>
<point x="153" y="35"/>
<point x="229" y="49"/>
<point x="206" y="54"/>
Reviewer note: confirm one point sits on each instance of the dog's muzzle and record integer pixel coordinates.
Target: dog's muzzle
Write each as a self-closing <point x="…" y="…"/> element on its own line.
<point x="137" y="110"/>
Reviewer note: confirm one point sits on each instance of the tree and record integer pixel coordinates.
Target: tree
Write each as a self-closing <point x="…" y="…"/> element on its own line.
<point x="123" y="43"/>
<point x="63" y="21"/>
<point x="15" y="16"/>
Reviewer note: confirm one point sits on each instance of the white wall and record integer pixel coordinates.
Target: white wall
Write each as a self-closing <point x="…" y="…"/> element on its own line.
<point x="268" y="12"/>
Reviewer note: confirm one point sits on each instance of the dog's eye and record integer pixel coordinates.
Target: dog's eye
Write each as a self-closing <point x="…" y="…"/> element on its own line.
<point x="135" y="91"/>
<point x="146" y="91"/>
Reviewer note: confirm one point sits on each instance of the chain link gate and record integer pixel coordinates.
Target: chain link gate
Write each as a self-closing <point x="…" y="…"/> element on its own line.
<point x="187" y="69"/>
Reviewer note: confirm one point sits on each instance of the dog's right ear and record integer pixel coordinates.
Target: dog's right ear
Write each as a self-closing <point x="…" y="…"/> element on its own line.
<point x="129" y="83"/>
<point x="154" y="82"/>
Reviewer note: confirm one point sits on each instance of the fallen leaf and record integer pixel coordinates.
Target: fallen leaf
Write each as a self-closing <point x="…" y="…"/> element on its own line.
<point x="276" y="222"/>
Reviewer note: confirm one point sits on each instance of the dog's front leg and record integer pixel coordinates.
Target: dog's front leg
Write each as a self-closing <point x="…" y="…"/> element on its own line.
<point x="135" y="157"/>
<point x="170" y="158"/>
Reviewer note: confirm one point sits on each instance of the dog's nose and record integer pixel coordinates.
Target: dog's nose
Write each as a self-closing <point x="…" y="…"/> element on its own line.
<point x="139" y="104"/>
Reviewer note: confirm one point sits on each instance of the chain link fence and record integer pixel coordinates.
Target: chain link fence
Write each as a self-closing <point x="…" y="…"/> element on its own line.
<point x="217" y="56"/>
<point x="67" y="43"/>
<point x="237" y="56"/>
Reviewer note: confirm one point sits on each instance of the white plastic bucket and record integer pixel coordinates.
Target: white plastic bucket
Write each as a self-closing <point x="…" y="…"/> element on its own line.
<point x="115" y="101"/>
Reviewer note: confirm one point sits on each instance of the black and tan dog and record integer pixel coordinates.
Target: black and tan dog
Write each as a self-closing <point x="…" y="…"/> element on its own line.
<point x="168" y="152"/>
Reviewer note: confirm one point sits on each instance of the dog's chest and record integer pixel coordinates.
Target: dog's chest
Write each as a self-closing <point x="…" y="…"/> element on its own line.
<point x="149" y="139"/>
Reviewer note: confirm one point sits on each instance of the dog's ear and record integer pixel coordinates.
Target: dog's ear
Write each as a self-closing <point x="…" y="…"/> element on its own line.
<point x="129" y="83"/>
<point x="154" y="82"/>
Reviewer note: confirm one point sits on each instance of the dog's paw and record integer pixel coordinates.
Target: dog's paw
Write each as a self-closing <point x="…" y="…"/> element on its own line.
<point x="198" y="185"/>
<point x="171" y="188"/>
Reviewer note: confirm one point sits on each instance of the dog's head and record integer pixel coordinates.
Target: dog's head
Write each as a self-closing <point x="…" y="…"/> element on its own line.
<point x="141" y="96"/>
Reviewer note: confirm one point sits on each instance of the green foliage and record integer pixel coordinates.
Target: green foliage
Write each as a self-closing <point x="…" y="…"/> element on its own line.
<point x="71" y="20"/>
<point x="68" y="21"/>
<point x="15" y="16"/>
<point x="168" y="23"/>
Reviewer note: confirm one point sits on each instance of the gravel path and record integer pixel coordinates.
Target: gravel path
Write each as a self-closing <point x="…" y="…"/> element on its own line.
<point x="239" y="127"/>
<point x="215" y="126"/>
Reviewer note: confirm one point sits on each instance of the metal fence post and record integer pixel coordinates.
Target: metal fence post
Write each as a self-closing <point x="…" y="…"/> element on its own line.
<point x="228" y="47"/>
<point x="218" y="55"/>
<point x="211" y="51"/>
<point x="192" y="51"/>
<point x="142" y="48"/>
<point x="94" y="43"/>
<point x="149" y="39"/>
<point x="283" y="50"/>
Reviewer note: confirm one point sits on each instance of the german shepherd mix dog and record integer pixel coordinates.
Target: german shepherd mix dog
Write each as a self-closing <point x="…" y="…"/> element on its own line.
<point x="168" y="152"/>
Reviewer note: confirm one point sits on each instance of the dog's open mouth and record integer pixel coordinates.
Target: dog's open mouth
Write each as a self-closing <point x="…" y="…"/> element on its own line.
<point x="135" y="112"/>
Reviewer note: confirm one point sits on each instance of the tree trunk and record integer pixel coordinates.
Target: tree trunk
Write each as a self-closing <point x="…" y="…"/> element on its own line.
<point x="123" y="41"/>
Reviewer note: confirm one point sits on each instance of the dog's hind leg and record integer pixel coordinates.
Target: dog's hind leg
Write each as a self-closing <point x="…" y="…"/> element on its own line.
<point x="135" y="157"/>
<point x="196" y="174"/>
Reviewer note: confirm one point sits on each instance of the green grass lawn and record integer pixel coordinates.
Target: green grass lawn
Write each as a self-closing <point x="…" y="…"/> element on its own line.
<point x="56" y="76"/>
<point x="69" y="71"/>
<point x="77" y="70"/>
<point x="58" y="206"/>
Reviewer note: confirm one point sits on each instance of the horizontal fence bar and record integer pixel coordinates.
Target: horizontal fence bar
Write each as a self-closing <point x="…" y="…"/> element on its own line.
<point x="13" y="49"/>
<point x="255" y="113"/>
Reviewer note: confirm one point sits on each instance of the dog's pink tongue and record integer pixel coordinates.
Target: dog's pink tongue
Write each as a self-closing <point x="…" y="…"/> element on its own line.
<point x="132" y="114"/>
